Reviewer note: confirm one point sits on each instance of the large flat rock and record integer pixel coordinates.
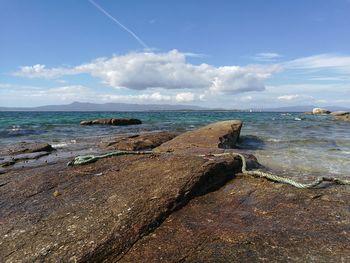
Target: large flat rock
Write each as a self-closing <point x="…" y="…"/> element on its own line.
<point x="96" y="212"/>
<point x="208" y="139"/>
<point x="253" y="220"/>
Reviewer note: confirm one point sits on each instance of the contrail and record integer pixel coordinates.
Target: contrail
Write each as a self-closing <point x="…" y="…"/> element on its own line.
<point x="118" y="23"/>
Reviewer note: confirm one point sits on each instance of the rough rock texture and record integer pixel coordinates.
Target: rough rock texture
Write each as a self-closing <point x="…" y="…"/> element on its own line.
<point x="140" y="142"/>
<point x="97" y="212"/>
<point x="253" y="220"/>
<point x="8" y="161"/>
<point x="118" y="122"/>
<point x="208" y="139"/>
<point x="22" y="152"/>
<point x="25" y="147"/>
<point x="320" y="111"/>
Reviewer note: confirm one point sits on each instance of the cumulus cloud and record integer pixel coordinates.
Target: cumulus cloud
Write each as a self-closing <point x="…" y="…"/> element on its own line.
<point x="170" y="70"/>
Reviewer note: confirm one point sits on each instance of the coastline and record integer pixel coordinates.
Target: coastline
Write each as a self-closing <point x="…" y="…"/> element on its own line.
<point x="169" y="206"/>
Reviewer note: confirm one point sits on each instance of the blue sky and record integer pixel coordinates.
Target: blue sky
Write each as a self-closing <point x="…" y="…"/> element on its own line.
<point x="232" y="54"/>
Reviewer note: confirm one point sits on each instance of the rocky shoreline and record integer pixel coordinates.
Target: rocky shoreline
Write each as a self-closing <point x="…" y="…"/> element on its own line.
<point x="179" y="204"/>
<point x="338" y="115"/>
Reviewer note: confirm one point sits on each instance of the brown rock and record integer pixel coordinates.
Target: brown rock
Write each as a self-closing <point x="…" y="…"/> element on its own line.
<point x="345" y="117"/>
<point x="118" y="122"/>
<point x="140" y="142"/>
<point x="208" y="139"/>
<point x="25" y="147"/>
<point x="252" y="220"/>
<point x="340" y="113"/>
<point x="105" y="207"/>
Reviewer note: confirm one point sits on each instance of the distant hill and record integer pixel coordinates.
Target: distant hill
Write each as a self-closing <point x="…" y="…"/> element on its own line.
<point x="86" y="106"/>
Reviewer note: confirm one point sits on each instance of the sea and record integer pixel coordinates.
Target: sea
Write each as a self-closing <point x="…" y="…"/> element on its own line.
<point x="290" y="144"/>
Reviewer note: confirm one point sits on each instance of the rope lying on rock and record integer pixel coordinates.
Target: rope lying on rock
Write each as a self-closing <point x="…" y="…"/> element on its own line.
<point x="285" y="180"/>
<point x="80" y="160"/>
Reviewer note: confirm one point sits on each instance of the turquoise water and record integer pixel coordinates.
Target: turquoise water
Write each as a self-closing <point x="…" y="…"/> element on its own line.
<point x="290" y="143"/>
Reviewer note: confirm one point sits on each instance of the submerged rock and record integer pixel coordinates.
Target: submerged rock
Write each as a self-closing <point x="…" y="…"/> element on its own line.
<point x="118" y="122"/>
<point x="317" y="111"/>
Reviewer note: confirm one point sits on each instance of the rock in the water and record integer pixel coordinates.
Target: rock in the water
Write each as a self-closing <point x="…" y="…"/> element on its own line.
<point x="222" y="135"/>
<point x="340" y="113"/>
<point x="118" y="122"/>
<point x="308" y="113"/>
<point x="345" y="117"/>
<point x="320" y="111"/>
<point x="140" y="142"/>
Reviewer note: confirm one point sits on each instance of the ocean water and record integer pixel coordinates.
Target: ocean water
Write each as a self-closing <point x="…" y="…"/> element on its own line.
<point x="288" y="143"/>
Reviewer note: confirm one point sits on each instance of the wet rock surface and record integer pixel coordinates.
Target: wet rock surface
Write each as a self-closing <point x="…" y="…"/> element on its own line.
<point x="23" y="152"/>
<point x="140" y="141"/>
<point x="253" y="220"/>
<point x="26" y="147"/>
<point x="118" y="122"/>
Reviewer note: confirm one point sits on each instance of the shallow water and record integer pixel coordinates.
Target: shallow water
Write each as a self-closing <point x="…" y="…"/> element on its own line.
<point x="290" y="143"/>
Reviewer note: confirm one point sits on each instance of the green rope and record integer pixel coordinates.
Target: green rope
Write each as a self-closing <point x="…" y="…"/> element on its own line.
<point x="80" y="160"/>
<point x="285" y="180"/>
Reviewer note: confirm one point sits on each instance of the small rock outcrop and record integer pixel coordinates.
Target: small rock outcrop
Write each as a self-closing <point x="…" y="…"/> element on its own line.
<point x="340" y="113"/>
<point x="26" y="147"/>
<point x="117" y="122"/>
<point x="317" y="111"/>
<point x="24" y="151"/>
<point x="345" y="117"/>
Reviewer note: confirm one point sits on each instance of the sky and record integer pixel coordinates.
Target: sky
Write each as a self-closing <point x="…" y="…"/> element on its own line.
<point x="229" y="54"/>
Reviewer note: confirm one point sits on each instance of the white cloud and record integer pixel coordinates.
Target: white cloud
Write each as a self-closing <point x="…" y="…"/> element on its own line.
<point x="294" y="97"/>
<point x="267" y="56"/>
<point x="322" y="61"/>
<point x="184" y="97"/>
<point x="168" y="70"/>
<point x="82" y="93"/>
